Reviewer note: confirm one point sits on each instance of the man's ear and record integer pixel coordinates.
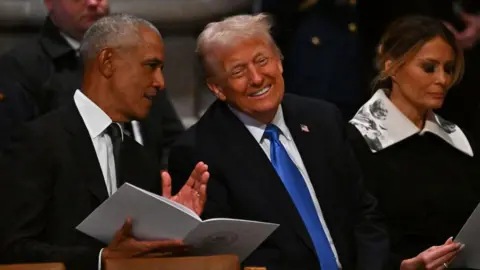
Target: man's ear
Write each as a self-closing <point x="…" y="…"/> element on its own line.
<point x="216" y="89"/>
<point x="105" y="62"/>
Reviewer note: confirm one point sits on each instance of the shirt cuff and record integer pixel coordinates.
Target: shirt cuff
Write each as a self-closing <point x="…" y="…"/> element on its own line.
<point x="100" y="259"/>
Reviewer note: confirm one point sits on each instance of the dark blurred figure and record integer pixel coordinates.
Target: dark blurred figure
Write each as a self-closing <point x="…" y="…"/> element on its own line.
<point x="319" y="42"/>
<point x="44" y="72"/>
<point x="462" y="103"/>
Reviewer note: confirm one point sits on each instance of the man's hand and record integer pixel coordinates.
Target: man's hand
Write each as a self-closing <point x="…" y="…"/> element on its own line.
<point x="434" y="258"/>
<point x="194" y="193"/>
<point x="124" y="245"/>
<point x="470" y="35"/>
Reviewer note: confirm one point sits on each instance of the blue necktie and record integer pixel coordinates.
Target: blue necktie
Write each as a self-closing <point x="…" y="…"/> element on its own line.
<point x="298" y="190"/>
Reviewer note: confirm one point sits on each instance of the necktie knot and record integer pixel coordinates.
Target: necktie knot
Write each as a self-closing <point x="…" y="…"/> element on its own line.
<point x="272" y="133"/>
<point x="115" y="132"/>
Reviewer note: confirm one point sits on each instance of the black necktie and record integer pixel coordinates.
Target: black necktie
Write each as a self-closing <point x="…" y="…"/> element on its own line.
<point x="115" y="133"/>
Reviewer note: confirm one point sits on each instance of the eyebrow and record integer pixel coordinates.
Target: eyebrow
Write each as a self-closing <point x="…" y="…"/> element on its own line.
<point x="155" y="61"/>
<point x="436" y="61"/>
<point x="242" y="63"/>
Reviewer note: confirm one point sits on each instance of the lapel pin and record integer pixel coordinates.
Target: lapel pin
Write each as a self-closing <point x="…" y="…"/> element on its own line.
<point x="304" y="128"/>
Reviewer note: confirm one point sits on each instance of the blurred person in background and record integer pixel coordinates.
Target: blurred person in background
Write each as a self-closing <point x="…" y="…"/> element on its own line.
<point x="44" y="72"/>
<point x="412" y="159"/>
<point x="318" y="39"/>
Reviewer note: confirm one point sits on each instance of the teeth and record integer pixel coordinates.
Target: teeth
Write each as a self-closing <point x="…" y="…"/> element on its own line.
<point x="261" y="92"/>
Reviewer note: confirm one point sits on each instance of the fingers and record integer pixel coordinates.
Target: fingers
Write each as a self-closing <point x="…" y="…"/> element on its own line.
<point x="164" y="245"/>
<point x="439" y="263"/>
<point x="166" y="184"/>
<point x="123" y="233"/>
<point x="126" y="229"/>
<point x="442" y="254"/>
<point x="449" y="240"/>
<point x="197" y="176"/>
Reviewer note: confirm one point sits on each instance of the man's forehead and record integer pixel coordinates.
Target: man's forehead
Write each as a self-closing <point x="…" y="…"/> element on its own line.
<point x="149" y="35"/>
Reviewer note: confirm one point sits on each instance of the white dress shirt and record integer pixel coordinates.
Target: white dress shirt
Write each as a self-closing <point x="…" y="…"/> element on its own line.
<point x="257" y="129"/>
<point x="97" y="121"/>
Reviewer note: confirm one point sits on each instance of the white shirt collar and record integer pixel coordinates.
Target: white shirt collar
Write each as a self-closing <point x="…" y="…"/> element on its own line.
<point x="94" y="118"/>
<point x="71" y="41"/>
<point x="257" y="129"/>
<point x="382" y="125"/>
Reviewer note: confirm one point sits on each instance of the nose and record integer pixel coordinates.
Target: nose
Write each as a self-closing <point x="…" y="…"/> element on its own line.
<point x="442" y="78"/>
<point x="92" y="3"/>
<point x="256" y="78"/>
<point x="158" y="79"/>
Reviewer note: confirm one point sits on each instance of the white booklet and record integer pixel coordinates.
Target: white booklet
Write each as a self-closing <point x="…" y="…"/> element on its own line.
<point x="469" y="235"/>
<point x="157" y="218"/>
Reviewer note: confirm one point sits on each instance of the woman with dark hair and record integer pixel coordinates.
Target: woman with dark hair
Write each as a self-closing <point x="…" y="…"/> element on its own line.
<point x="419" y="166"/>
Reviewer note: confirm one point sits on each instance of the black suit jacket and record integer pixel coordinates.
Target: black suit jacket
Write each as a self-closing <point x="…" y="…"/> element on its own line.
<point x="51" y="180"/>
<point x="244" y="185"/>
<point x="42" y="74"/>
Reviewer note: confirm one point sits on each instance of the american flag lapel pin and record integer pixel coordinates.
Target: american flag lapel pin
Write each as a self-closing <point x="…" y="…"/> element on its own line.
<point x="304" y="128"/>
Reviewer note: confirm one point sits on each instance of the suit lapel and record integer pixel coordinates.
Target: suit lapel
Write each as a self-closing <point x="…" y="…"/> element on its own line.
<point x="139" y="166"/>
<point x="252" y="157"/>
<point x="307" y="136"/>
<point x="84" y="153"/>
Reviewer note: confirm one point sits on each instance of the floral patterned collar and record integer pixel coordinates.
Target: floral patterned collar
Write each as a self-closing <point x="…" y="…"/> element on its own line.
<point x="382" y="125"/>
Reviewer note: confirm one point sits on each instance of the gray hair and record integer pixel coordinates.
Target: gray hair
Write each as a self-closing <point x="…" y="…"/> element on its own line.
<point x="114" y="31"/>
<point x="229" y="32"/>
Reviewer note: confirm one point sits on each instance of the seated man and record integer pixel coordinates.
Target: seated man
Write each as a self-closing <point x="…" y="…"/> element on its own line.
<point x="277" y="158"/>
<point x="62" y="166"/>
<point x="42" y="74"/>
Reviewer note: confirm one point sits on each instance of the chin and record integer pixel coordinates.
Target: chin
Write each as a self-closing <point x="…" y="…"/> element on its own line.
<point x="434" y="105"/>
<point x="140" y="115"/>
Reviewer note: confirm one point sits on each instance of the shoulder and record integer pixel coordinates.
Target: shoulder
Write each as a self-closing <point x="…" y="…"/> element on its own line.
<point x="309" y="104"/>
<point x="320" y="113"/>
<point x="25" y="59"/>
<point x="42" y="130"/>
<point x="26" y="50"/>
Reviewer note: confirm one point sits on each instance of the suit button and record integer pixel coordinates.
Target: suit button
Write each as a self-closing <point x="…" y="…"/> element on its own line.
<point x="316" y="41"/>
<point x="352" y="27"/>
<point x="2" y="97"/>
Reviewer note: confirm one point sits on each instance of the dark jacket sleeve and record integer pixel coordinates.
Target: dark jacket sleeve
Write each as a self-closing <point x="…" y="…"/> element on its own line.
<point x="26" y="189"/>
<point x="184" y="156"/>
<point x="17" y="105"/>
<point x="171" y="126"/>
<point x="370" y="232"/>
<point x="363" y="153"/>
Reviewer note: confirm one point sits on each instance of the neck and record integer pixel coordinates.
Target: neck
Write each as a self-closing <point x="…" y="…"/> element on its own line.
<point x="265" y="118"/>
<point x="103" y="99"/>
<point x="416" y="115"/>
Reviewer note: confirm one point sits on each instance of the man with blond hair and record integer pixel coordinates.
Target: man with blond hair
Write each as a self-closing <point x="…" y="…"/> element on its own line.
<point x="278" y="158"/>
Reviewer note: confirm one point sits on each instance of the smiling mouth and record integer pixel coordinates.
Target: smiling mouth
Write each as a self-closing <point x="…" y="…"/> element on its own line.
<point x="261" y="92"/>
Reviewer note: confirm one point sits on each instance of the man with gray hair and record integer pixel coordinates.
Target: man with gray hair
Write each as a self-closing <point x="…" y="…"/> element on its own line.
<point x="42" y="74"/>
<point x="63" y="165"/>
<point x="277" y="158"/>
